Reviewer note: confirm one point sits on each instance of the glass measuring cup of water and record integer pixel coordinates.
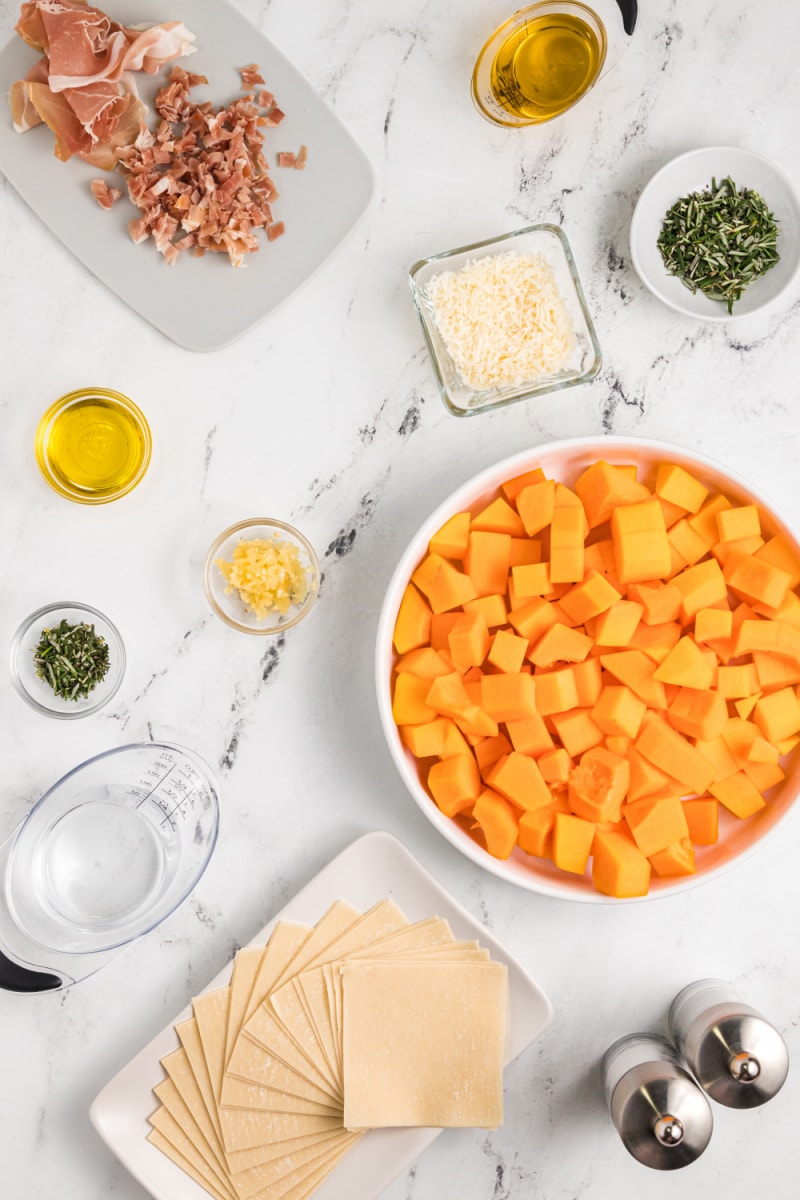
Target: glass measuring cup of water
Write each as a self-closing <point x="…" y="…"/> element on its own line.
<point x="547" y="56"/>
<point x="110" y="850"/>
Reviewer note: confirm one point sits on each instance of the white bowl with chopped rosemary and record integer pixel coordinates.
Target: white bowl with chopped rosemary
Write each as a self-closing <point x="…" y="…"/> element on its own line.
<point x="716" y="233"/>
<point x="67" y="660"/>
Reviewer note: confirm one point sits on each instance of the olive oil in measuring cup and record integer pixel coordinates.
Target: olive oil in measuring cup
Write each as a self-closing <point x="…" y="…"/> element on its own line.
<point x="539" y="63"/>
<point x="93" y="445"/>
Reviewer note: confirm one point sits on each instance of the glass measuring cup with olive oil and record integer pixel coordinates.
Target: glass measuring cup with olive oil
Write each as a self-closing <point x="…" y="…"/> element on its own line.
<point x="539" y="63"/>
<point x="93" y="445"/>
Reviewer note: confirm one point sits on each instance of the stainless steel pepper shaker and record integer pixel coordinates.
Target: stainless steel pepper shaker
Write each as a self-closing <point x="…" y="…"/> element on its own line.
<point x="739" y="1059"/>
<point x="658" y="1110"/>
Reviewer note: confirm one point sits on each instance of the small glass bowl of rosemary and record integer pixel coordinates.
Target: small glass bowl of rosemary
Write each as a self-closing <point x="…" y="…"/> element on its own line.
<point x="67" y="660"/>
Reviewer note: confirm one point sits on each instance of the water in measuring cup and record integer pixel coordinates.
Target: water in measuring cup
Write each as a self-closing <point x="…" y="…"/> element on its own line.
<point x="103" y="864"/>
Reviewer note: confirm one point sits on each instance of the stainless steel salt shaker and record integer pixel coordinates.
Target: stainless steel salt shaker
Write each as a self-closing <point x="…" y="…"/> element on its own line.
<point x="658" y="1110"/>
<point x="738" y="1058"/>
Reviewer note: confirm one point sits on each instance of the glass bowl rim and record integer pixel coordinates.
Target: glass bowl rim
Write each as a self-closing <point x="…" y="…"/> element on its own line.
<point x="44" y="428"/>
<point x="272" y="523"/>
<point x="547" y="384"/>
<point x="16" y="647"/>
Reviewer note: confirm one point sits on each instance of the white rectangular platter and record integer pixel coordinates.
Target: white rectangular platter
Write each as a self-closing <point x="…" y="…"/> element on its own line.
<point x="374" y="867"/>
<point x="200" y="303"/>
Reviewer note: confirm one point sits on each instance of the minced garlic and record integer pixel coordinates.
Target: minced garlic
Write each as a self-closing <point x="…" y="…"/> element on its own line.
<point x="267" y="573"/>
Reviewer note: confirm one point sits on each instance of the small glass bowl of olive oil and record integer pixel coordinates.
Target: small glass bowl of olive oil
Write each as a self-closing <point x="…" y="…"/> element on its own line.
<point x="93" y="445"/>
<point x="539" y="63"/>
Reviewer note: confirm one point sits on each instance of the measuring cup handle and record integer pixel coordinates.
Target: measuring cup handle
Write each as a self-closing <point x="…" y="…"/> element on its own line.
<point x="14" y="978"/>
<point x="630" y="13"/>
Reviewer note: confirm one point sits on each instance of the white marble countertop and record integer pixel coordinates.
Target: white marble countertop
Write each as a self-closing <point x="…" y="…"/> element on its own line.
<point x="352" y="443"/>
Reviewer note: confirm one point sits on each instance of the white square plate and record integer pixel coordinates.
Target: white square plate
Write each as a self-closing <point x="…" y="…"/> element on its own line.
<point x="374" y="867"/>
<point x="200" y="303"/>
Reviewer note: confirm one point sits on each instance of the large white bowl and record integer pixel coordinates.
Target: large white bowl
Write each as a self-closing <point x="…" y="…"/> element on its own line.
<point x="692" y="172"/>
<point x="564" y="461"/>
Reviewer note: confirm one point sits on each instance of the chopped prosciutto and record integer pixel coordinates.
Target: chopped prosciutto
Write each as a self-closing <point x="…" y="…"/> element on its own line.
<point x="200" y="180"/>
<point x="251" y="76"/>
<point x="82" y="87"/>
<point x="287" y="159"/>
<point x="103" y="194"/>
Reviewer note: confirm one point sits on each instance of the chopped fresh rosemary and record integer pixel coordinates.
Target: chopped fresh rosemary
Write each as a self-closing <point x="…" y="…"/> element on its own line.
<point x="719" y="240"/>
<point x="73" y="659"/>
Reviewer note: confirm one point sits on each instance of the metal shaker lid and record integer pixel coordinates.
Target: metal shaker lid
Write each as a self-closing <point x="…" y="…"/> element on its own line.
<point x="663" y="1118"/>
<point x="738" y="1058"/>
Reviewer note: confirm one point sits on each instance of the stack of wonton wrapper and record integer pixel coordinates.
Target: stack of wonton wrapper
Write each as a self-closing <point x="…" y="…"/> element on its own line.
<point x="364" y="1021"/>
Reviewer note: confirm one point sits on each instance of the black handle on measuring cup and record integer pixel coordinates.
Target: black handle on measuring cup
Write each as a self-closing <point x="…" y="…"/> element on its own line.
<point x="14" y="978"/>
<point x="630" y="11"/>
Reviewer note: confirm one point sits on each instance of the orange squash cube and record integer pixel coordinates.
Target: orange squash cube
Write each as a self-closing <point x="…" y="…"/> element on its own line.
<point x="413" y="625"/>
<point x="686" y="542"/>
<point x="598" y="785"/>
<point x="532" y="579"/>
<point x="656" y="823"/>
<point x="754" y="579"/>
<point x="572" y="842"/>
<point x="525" y="552"/>
<point x="618" y="711"/>
<point x="686" y="667"/>
<point x="499" y="517"/>
<point x="512" y="487"/>
<point x="498" y="823"/>
<point x="698" y="713"/>
<point x="577" y="731"/>
<point x="567" y="545"/>
<point x="555" y="766"/>
<point x="702" y="817"/>
<point x="410" y="706"/>
<point x="455" y="783"/>
<point x="507" y="651"/>
<point x="426" y="740"/>
<point x="712" y="623"/>
<point x="468" y="641"/>
<point x="556" y="691"/>
<point x="560" y="644"/>
<point x="700" y="586"/>
<point x="641" y="548"/>
<point x="492" y="609"/>
<point x="518" y="778"/>
<point x="490" y="750"/>
<point x="618" y="866"/>
<point x="739" y="795"/>
<point x="602" y="487"/>
<point x="530" y="735"/>
<point x="508" y="697"/>
<point x="444" y="585"/>
<point x="740" y="522"/>
<point x="535" y="832"/>
<point x="666" y="749"/>
<point x="486" y="562"/>
<point x="778" y="715"/>
<point x="676" y="485"/>
<point x="535" y="505"/>
<point x="452" y="539"/>
<point x="675" y="859"/>
<point x="617" y="625"/>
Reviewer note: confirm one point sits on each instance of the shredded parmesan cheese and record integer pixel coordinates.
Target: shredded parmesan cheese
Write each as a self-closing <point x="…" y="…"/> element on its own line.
<point x="267" y="573"/>
<point x="503" y="319"/>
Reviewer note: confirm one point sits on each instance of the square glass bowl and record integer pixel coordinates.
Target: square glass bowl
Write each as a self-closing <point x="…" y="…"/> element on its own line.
<point x="551" y="243"/>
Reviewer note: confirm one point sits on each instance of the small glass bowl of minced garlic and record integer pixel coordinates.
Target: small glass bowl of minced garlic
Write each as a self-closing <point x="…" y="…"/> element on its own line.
<point x="261" y="576"/>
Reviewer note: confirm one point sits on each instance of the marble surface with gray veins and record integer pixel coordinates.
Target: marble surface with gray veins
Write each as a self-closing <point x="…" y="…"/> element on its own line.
<point x="327" y="415"/>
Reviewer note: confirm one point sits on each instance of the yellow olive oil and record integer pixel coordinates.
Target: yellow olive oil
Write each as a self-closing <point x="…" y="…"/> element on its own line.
<point x="94" y="446"/>
<point x="545" y="65"/>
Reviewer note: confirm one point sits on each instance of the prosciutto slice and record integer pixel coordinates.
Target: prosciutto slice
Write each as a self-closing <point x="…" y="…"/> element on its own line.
<point x="82" y="87"/>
